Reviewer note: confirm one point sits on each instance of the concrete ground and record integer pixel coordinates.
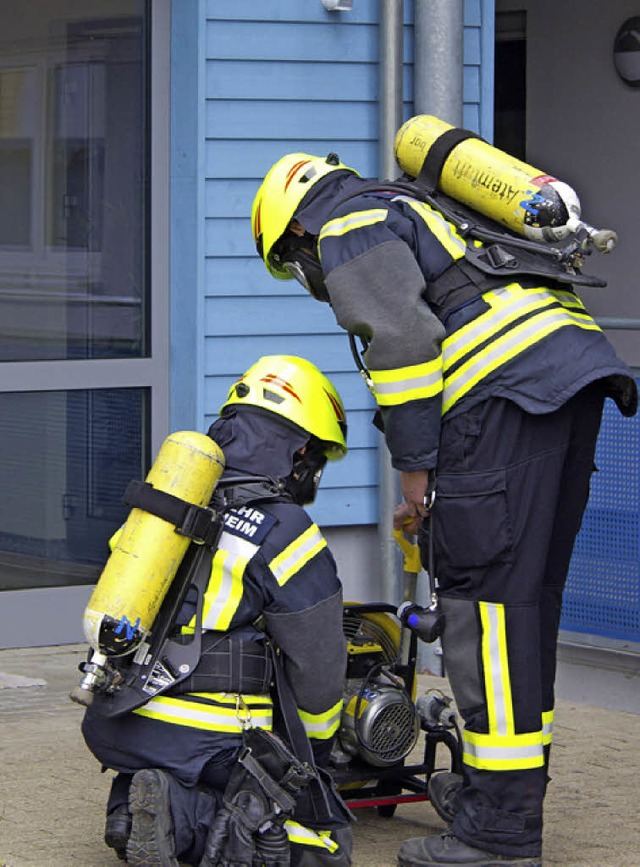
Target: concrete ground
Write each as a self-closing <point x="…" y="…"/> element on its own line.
<point x="52" y="794"/>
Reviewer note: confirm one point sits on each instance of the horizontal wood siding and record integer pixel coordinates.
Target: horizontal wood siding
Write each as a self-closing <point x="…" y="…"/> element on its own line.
<point x="282" y="76"/>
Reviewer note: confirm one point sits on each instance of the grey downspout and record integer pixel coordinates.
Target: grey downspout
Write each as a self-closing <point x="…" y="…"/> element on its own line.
<point x="438" y="65"/>
<point x="438" y="90"/>
<point x="390" y="120"/>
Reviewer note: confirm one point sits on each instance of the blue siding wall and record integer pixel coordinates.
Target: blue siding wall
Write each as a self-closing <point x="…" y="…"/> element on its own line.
<point x="602" y="596"/>
<point x="275" y="77"/>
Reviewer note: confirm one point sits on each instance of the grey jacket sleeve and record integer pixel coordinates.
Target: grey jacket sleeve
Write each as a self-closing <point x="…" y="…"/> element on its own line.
<point x="379" y="295"/>
<point x="315" y="652"/>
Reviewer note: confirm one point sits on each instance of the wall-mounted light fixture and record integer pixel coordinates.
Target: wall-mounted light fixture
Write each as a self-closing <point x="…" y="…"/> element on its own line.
<point x="626" y="52"/>
<point x="337" y="5"/>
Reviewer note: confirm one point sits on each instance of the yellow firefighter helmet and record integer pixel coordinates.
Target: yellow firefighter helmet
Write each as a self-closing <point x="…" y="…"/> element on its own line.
<point x="285" y="185"/>
<point x="295" y="389"/>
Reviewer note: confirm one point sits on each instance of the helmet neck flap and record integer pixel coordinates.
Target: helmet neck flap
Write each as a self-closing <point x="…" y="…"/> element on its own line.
<point x="256" y="442"/>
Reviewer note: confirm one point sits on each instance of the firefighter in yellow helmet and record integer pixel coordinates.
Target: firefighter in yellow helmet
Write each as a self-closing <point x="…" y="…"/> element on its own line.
<point x="491" y="390"/>
<point x="183" y="791"/>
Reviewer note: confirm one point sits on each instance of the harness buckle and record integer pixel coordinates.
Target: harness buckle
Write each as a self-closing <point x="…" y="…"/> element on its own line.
<point x="199" y="524"/>
<point x="243" y="713"/>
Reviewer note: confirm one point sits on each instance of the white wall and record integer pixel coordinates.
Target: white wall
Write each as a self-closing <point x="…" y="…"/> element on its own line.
<point x="583" y="126"/>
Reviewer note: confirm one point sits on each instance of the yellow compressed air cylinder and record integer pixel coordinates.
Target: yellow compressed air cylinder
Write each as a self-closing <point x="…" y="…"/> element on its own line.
<point x="147" y="551"/>
<point x="490" y="181"/>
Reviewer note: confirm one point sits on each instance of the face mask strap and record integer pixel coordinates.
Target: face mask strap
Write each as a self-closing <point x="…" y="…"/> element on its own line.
<point x="305" y="268"/>
<point x="293" y="254"/>
<point x="304" y="481"/>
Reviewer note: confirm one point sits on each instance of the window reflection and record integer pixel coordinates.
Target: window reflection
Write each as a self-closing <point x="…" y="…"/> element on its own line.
<point x="65" y="462"/>
<point x="73" y="282"/>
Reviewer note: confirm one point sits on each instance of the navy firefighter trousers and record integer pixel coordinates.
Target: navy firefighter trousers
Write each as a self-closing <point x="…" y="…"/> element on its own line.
<point x="511" y="491"/>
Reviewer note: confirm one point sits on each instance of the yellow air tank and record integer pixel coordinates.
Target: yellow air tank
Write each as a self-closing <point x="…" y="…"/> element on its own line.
<point x="147" y="550"/>
<point x="526" y="200"/>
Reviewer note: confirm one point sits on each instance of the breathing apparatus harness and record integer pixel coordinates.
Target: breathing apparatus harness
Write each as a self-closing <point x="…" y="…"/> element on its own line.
<point x="501" y="255"/>
<point x="176" y="662"/>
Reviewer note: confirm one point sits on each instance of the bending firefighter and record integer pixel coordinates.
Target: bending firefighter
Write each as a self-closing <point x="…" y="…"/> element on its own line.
<point x="496" y="384"/>
<point x="224" y="767"/>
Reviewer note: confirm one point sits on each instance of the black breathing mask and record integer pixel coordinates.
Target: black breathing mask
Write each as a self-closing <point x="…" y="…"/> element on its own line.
<point x="302" y="484"/>
<point x="297" y="255"/>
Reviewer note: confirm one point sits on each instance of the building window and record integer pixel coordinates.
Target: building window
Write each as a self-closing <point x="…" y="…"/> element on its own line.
<point x="66" y="459"/>
<point x="75" y="294"/>
<point x="73" y="182"/>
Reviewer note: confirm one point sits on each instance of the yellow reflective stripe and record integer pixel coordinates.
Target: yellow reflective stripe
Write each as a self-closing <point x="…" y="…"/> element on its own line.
<point x="496" y="668"/>
<point x="225" y="588"/>
<point x="357" y="220"/>
<point x="501" y="749"/>
<point x="502" y="753"/>
<point x="547" y="726"/>
<point x="393" y="387"/>
<point x="444" y="231"/>
<point x="321" y="726"/>
<point x="506" y="305"/>
<point x="306" y="837"/>
<point x="505" y="348"/>
<point x="295" y="555"/>
<point x="209" y="717"/>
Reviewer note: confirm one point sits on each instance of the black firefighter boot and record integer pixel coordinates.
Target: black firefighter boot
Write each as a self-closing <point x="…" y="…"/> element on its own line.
<point x="444" y="790"/>
<point x="117" y="830"/>
<point x="447" y="850"/>
<point x="152" y="841"/>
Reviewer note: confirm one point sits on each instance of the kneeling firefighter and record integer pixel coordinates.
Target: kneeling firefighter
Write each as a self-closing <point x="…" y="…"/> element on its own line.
<point x="223" y="767"/>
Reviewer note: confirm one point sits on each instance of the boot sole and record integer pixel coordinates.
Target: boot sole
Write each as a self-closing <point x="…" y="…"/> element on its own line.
<point x="151" y="843"/>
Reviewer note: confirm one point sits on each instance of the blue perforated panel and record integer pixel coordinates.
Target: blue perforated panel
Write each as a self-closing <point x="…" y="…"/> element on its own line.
<point x="602" y="596"/>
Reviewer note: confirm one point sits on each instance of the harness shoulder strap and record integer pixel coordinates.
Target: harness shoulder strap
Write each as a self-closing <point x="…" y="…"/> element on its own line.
<point x="167" y="659"/>
<point x="320" y="805"/>
<point x="504" y="255"/>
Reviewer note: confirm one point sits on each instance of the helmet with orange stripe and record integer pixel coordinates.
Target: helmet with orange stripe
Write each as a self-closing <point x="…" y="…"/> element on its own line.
<point x="277" y="201"/>
<point x="295" y="389"/>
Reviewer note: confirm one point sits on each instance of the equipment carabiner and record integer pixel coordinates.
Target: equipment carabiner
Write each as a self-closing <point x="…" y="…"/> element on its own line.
<point x="243" y="713"/>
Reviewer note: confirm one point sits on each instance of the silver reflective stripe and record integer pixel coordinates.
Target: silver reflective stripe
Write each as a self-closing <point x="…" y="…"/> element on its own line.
<point x="412" y="384"/>
<point x="496" y="669"/>
<point x="547" y="726"/>
<point x="501" y="748"/>
<point x="321" y="725"/>
<point x="225" y="588"/>
<point x="295" y="555"/>
<point x="482" y="327"/>
<point x="205" y="716"/>
<point x="504" y="348"/>
<point x="342" y="225"/>
<point x="306" y="837"/>
<point x="516" y="756"/>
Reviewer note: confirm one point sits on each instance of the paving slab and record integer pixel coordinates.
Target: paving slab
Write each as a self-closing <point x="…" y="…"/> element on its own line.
<point x="52" y="793"/>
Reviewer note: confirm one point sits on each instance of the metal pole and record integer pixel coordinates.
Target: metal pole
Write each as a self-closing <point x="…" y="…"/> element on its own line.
<point x="438" y="66"/>
<point x="618" y="323"/>
<point x="390" y="120"/>
<point x="437" y="90"/>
